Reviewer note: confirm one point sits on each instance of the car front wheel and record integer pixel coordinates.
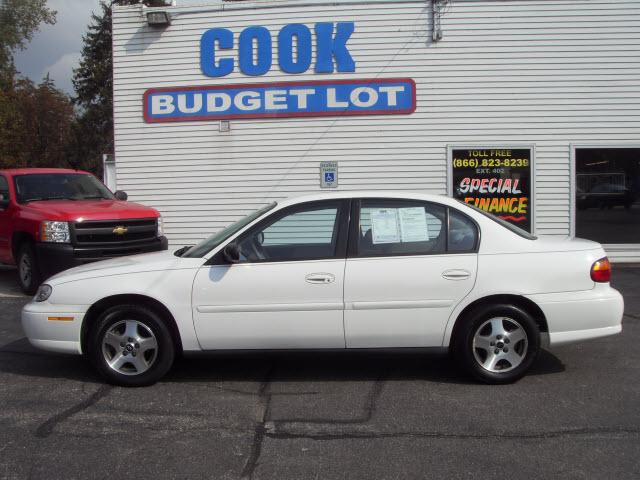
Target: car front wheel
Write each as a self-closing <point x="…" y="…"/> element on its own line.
<point x="28" y="271"/>
<point x="497" y="344"/>
<point x="131" y="346"/>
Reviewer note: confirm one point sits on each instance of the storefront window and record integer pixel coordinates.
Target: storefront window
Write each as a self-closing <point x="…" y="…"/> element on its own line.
<point x="608" y="194"/>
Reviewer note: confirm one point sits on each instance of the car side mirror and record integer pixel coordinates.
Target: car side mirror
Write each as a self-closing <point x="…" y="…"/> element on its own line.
<point x="121" y="195"/>
<point x="231" y="253"/>
<point x="4" y="203"/>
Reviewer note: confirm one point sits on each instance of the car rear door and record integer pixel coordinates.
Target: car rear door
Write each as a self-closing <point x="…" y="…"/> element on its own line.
<point x="409" y="264"/>
<point x="287" y="289"/>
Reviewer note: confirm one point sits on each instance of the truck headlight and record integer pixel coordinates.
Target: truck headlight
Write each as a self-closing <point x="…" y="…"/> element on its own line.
<point x="160" y="227"/>
<point x="57" y="232"/>
<point x="43" y="293"/>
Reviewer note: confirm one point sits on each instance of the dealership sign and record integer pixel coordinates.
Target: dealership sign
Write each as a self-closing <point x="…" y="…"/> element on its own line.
<point x="255" y="49"/>
<point x="277" y="100"/>
<point x="496" y="180"/>
<point x="254" y="57"/>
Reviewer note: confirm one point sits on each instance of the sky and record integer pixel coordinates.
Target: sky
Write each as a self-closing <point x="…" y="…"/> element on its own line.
<point x="56" y="48"/>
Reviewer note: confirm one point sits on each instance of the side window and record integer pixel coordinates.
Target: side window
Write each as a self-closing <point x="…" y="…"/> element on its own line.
<point x="4" y="192"/>
<point x="463" y="233"/>
<point x="395" y="227"/>
<point x="304" y="233"/>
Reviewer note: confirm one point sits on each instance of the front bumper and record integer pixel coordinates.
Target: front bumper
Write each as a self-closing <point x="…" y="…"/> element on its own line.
<point x="54" y="327"/>
<point x="53" y="258"/>
<point x="577" y="316"/>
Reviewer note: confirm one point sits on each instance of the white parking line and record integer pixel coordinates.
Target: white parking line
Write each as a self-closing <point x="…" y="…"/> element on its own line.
<point x="12" y="295"/>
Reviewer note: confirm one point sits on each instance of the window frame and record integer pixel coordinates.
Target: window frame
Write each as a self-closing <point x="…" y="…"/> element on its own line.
<point x="342" y="221"/>
<point x="352" y="245"/>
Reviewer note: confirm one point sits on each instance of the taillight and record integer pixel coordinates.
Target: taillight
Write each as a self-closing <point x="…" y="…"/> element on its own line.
<point x="601" y="270"/>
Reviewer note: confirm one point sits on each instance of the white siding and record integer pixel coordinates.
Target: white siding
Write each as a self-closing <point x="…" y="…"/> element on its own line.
<point x="544" y="73"/>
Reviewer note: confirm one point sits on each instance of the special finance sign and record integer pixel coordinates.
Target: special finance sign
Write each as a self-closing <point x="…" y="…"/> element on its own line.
<point x="254" y="52"/>
<point x="496" y="180"/>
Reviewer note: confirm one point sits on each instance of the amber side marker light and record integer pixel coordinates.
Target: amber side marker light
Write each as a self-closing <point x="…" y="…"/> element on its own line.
<point x="601" y="270"/>
<point x="60" y="319"/>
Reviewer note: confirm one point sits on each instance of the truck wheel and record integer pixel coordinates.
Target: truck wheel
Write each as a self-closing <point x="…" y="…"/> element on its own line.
<point x="131" y="346"/>
<point x="497" y="343"/>
<point x="28" y="271"/>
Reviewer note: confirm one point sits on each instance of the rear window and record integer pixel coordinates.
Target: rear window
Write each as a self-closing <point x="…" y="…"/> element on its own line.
<point x="509" y="226"/>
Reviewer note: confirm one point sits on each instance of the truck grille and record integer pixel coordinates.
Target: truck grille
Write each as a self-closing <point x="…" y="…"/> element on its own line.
<point x="104" y="232"/>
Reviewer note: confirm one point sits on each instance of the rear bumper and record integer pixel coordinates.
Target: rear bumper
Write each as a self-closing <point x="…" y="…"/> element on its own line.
<point x="56" y="257"/>
<point x="577" y="316"/>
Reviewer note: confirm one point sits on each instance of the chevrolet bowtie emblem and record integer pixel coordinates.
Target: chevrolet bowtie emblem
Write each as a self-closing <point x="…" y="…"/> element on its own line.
<point x="120" y="230"/>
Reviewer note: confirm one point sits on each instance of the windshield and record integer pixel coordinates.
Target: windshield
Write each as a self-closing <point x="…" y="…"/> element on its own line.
<point x="515" y="229"/>
<point x="213" y="241"/>
<point x="59" y="186"/>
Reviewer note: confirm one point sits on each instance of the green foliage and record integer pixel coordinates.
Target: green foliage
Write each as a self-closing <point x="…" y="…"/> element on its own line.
<point x="35" y="123"/>
<point x="19" y="20"/>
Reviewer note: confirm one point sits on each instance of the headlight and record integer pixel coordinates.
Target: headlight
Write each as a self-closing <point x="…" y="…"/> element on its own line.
<point x="57" y="232"/>
<point x="43" y="293"/>
<point x="160" y="227"/>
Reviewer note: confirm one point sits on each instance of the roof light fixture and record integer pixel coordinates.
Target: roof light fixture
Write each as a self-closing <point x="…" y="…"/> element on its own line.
<point x="158" y="19"/>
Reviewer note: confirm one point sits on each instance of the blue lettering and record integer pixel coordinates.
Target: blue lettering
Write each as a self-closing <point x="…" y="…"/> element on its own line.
<point x="208" y="41"/>
<point x="329" y="47"/>
<point x="285" y="48"/>
<point x="255" y="42"/>
<point x="263" y="40"/>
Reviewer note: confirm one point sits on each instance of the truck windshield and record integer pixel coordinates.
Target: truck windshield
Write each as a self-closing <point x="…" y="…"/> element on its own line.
<point x="59" y="186"/>
<point x="213" y="241"/>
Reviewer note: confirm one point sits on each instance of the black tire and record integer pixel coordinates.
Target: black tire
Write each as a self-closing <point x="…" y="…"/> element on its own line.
<point x="149" y="326"/>
<point x="523" y="351"/>
<point x="29" y="277"/>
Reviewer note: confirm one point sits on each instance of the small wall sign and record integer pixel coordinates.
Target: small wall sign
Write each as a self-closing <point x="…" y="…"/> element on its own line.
<point x="328" y="174"/>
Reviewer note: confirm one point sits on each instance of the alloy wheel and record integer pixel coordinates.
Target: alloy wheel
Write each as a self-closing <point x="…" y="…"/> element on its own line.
<point x="500" y="344"/>
<point x="25" y="269"/>
<point x="129" y="347"/>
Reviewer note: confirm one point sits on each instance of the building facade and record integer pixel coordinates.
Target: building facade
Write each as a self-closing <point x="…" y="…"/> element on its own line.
<point x="529" y="109"/>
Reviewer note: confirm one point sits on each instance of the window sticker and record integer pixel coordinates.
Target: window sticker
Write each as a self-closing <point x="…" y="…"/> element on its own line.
<point x="384" y="226"/>
<point x="413" y="224"/>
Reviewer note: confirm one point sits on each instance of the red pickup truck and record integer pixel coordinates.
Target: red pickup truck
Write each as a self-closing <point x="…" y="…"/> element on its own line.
<point x="52" y="219"/>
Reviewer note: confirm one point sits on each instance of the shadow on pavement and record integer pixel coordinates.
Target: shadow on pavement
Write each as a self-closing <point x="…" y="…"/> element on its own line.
<point x="20" y="358"/>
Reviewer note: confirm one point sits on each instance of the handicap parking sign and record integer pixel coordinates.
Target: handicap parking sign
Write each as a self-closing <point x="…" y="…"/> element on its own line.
<point x="328" y="174"/>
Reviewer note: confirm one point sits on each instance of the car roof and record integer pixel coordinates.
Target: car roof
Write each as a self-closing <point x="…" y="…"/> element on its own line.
<point x="400" y="195"/>
<point x="33" y="171"/>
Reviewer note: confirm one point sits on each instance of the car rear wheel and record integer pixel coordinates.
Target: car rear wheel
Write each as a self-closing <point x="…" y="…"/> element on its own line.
<point x="131" y="346"/>
<point x="28" y="271"/>
<point x="497" y="343"/>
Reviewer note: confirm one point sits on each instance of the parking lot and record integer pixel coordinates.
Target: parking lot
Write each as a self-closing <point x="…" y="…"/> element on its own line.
<point x="323" y="416"/>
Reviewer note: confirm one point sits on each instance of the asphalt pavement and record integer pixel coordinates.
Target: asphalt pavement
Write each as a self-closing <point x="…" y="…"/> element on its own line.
<point x="324" y="416"/>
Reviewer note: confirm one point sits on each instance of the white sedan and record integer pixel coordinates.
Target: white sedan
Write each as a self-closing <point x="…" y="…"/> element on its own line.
<point x="333" y="271"/>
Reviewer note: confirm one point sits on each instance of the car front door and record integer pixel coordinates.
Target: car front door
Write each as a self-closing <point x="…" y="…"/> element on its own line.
<point x="286" y="290"/>
<point x="409" y="264"/>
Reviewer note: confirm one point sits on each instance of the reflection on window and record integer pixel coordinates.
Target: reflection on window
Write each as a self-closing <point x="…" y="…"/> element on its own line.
<point x="304" y="234"/>
<point x="304" y="227"/>
<point x="608" y="194"/>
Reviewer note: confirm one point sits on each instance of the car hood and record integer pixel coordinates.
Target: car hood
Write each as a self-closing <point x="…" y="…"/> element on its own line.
<point x="76" y="210"/>
<point x="146" y="262"/>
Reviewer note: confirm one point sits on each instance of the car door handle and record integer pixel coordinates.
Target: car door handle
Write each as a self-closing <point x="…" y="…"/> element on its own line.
<point x="320" y="278"/>
<point x="456" y="274"/>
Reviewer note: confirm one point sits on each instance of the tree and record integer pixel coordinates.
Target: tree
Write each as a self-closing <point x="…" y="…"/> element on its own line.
<point x="93" y="83"/>
<point x="19" y="20"/>
<point x="35" y="122"/>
